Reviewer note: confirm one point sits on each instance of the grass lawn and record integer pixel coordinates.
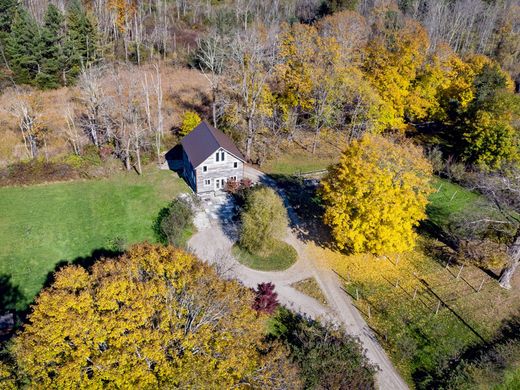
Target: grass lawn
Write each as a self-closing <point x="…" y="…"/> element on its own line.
<point x="310" y="287"/>
<point x="294" y="163"/>
<point x="281" y="257"/>
<point x="43" y="225"/>
<point x="422" y="336"/>
<point x="448" y="199"/>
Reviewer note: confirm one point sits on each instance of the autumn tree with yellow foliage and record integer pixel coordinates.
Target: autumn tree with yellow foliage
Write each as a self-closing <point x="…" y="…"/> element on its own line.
<point x="154" y="318"/>
<point x="376" y="195"/>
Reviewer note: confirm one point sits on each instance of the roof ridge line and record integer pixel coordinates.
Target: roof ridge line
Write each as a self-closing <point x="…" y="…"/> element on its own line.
<point x="211" y="132"/>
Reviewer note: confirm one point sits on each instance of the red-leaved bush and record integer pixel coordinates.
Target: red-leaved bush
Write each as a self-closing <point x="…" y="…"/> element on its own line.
<point x="266" y="300"/>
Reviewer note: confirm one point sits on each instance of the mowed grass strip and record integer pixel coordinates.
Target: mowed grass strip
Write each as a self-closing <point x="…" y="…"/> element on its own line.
<point x="43" y="225"/>
<point x="280" y="257"/>
<point x="292" y="164"/>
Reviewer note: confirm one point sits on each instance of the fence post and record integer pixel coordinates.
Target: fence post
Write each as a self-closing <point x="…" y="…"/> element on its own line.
<point x="357" y="294"/>
<point x="460" y="271"/>
<point x="438" y="307"/>
<point x="369" y="316"/>
<point x="481" y="284"/>
<point x="414" y="293"/>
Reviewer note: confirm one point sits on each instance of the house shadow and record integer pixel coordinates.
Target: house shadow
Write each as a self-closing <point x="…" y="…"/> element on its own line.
<point x="173" y="158"/>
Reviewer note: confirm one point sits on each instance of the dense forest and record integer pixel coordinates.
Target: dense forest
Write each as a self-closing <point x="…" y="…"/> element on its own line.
<point x="275" y="69"/>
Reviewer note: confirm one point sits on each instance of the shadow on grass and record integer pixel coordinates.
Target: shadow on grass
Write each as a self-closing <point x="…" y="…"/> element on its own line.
<point x="303" y="198"/>
<point x="10" y="294"/>
<point x="11" y="299"/>
<point x="485" y="352"/>
<point x="83" y="261"/>
<point x="14" y="304"/>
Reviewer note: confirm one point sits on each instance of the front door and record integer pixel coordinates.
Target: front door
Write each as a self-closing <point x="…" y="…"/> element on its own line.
<point x="219" y="184"/>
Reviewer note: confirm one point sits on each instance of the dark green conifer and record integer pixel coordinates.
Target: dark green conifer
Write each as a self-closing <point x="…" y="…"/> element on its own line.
<point x="22" y="47"/>
<point x="52" y="57"/>
<point x="81" y="46"/>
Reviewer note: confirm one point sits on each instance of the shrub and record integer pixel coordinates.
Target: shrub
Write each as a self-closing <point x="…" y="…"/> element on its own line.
<point x="174" y="222"/>
<point x="37" y="171"/>
<point x="328" y="358"/>
<point x="266" y="300"/>
<point x="264" y="220"/>
<point x="190" y="120"/>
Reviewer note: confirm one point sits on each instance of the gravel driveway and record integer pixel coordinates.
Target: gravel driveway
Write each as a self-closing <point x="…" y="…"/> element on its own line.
<point x="213" y="243"/>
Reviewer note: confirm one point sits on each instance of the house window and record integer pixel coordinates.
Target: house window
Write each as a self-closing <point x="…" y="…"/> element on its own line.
<point x="233" y="178"/>
<point x="222" y="156"/>
<point x="235" y="164"/>
<point x="204" y="168"/>
<point x="207" y="182"/>
<point x="217" y="157"/>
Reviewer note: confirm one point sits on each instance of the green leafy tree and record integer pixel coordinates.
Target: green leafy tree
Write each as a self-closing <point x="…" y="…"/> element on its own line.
<point x="22" y="47"/>
<point x="173" y="222"/>
<point x="487" y="129"/>
<point x="81" y="44"/>
<point x="156" y="317"/>
<point x="264" y="220"/>
<point x="52" y="58"/>
<point x="328" y="358"/>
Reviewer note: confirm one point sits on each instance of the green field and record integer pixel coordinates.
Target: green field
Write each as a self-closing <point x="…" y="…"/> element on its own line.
<point x="43" y="225"/>
<point x="449" y="199"/>
<point x="290" y="164"/>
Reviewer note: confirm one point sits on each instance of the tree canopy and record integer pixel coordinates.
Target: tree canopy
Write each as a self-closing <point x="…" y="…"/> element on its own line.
<point x="154" y="317"/>
<point x="376" y="195"/>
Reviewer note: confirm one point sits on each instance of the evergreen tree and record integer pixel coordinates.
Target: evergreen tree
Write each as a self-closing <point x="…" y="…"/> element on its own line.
<point x="81" y="41"/>
<point x="22" y="47"/>
<point x="7" y="11"/>
<point x="51" y="49"/>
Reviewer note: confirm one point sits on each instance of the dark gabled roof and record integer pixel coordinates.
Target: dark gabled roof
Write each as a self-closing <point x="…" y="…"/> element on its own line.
<point x="204" y="140"/>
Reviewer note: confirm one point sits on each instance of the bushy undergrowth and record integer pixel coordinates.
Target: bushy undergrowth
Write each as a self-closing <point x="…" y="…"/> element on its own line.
<point x="174" y="224"/>
<point x="37" y="171"/>
<point x="328" y="358"/>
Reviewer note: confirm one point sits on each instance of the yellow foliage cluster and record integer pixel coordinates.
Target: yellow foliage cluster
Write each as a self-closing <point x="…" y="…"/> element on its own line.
<point x="155" y="317"/>
<point x="392" y="63"/>
<point x="190" y="120"/>
<point x="376" y="195"/>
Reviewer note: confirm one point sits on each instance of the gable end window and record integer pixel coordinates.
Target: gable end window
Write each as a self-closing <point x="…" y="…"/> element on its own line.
<point x="207" y="182"/>
<point x="217" y="157"/>
<point x="204" y="168"/>
<point x="222" y="156"/>
<point x="235" y="164"/>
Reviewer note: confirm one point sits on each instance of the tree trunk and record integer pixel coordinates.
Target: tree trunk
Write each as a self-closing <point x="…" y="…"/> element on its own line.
<point x="138" y="156"/>
<point x="513" y="254"/>
<point x="214" y="107"/>
<point x="316" y="139"/>
<point x="249" y="141"/>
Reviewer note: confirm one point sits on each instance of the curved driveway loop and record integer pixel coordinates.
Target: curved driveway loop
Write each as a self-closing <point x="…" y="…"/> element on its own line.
<point x="213" y="243"/>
